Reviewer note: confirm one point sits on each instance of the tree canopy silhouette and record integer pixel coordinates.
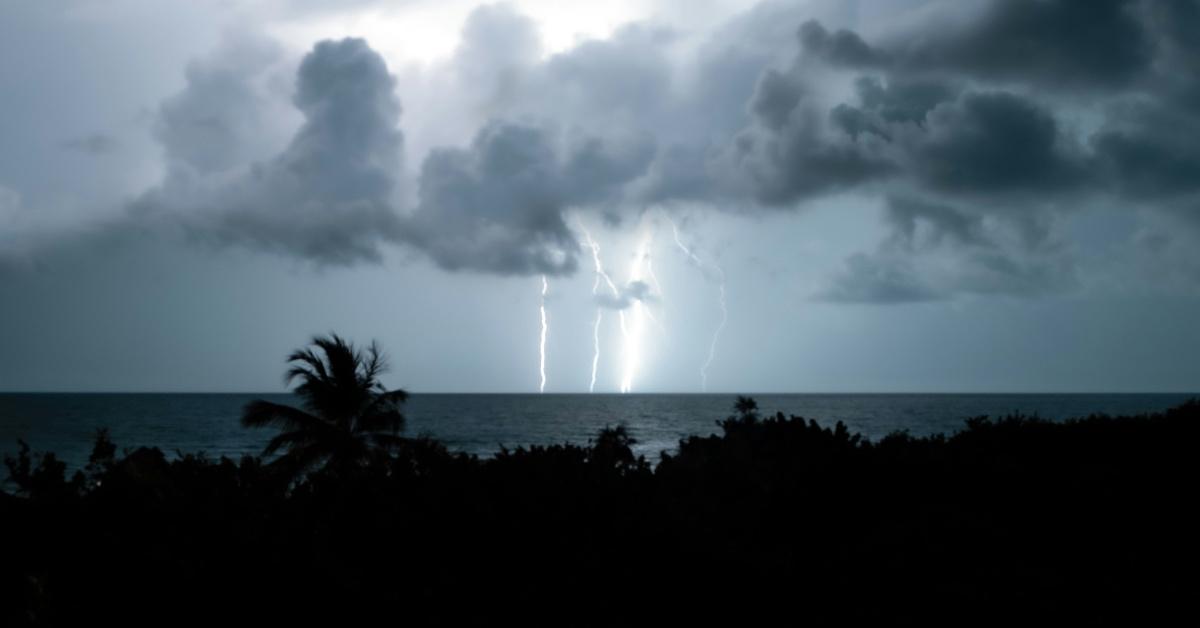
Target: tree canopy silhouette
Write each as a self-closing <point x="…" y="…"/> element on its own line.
<point x="348" y="416"/>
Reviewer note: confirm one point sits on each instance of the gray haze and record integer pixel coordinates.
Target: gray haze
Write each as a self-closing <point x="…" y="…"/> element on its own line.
<point x="984" y="195"/>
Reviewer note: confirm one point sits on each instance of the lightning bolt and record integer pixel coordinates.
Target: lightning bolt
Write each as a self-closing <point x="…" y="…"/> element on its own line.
<point x="633" y="348"/>
<point x="595" y="347"/>
<point x="657" y="286"/>
<point x="600" y="274"/>
<point x="542" y="343"/>
<point x="633" y="322"/>
<point x="712" y="345"/>
<point x="653" y="277"/>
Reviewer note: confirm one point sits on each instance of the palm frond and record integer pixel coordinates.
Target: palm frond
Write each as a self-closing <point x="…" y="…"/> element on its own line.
<point x="341" y="358"/>
<point x="261" y="413"/>
<point x="374" y="364"/>
<point x="291" y="440"/>
<point x="308" y="366"/>
<point x="348" y="416"/>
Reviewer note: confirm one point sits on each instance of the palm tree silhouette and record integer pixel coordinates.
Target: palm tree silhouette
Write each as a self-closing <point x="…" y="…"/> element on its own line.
<point x="348" y="419"/>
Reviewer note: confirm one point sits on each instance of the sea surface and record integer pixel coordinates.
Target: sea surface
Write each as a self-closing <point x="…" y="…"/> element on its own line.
<point x="482" y="423"/>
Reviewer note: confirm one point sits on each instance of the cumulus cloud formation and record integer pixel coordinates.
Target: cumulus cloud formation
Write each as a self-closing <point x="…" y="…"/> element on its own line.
<point x="1011" y="117"/>
<point x="983" y="126"/>
<point x="937" y="251"/>
<point x="329" y="196"/>
<point x="499" y="206"/>
<point x="214" y="123"/>
<point x="1054" y="43"/>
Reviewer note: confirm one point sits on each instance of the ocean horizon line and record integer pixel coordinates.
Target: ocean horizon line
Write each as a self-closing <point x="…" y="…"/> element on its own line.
<point x="629" y="394"/>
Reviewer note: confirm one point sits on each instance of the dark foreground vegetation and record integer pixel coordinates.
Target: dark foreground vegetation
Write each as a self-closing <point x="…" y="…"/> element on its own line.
<point x="1015" y="520"/>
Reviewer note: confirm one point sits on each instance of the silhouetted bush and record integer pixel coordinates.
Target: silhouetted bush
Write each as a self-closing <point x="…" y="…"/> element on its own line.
<point x="1009" y="520"/>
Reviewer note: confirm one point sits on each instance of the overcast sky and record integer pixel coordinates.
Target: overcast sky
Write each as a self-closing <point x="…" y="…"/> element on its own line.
<point x="887" y="195"/>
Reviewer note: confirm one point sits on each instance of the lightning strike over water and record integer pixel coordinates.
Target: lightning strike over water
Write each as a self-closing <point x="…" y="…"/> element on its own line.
<point x="633" y="299"/>
<point x="633" y="338"/>
<point x="653" y="277"/>
<point x="542" y="343"/>
<point x="595" y="346"/>
<point x="600" y="274"/>
<point x="712" y="345"/>
<point x="657" y="288"/>
<point x="599" y="315"/>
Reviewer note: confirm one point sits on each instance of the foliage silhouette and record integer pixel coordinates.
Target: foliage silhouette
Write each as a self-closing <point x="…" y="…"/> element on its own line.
<point x="1086" y="521"/>
<point x="349" y="418"/>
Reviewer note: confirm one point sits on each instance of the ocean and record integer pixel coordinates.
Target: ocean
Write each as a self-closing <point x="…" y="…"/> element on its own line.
<point x="481" y="423"/>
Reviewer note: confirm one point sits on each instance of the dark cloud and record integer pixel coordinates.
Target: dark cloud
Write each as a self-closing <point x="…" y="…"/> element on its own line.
<point x="499" y="206"/>
<point x="992" y="143"/>
<point x="790" y="153"/>
<point x="1176" y="22"/>
<point x="730" y="62"/>
<point x="1017" y="275"/>
<point x="840" y="48"/>
<point x="927" y="132"/>
<point x="95" y="144"/>
<point x="903" y="99"/>
<point x="329" y="197"/>
<point x="1051" y="42"/>
<point x="937" y="251"/>
<point x="1019" y="112"/>
<point x="871" y="279"/>
<point x="889" y="276"/>
<point x="1057" y="43"/>
<point x="998" y="140"/>
<point x="1148" y="151"/>
<point x="919" y="223"/>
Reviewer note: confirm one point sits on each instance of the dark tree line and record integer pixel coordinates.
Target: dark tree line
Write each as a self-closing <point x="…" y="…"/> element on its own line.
<point x="773" y="520"/>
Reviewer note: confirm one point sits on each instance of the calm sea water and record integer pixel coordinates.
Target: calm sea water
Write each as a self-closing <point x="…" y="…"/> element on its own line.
<point x="480" y="424"/>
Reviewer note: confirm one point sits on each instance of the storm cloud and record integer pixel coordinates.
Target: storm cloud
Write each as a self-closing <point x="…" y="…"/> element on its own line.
<point x="500" y="205"/>
<point x="771" y="111"/>
<point x="864" y="173"/>
<point x="328" y="197"/>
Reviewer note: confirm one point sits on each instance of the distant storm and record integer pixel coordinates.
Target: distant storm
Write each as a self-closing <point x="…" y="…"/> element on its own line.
<point x="881" y="195"/>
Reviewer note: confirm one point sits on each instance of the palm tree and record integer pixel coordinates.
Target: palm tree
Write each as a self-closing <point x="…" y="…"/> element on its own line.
<point x="348" y="417"/>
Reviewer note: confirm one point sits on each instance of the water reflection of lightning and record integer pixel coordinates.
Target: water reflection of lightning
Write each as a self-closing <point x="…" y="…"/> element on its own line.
<point x="712" y="345"/>
<point x="542" y="344"/>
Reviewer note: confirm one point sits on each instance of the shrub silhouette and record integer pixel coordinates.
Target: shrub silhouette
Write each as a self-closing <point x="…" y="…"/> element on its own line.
<point x="348" y="419"/>
<point x="1086" y="521"/>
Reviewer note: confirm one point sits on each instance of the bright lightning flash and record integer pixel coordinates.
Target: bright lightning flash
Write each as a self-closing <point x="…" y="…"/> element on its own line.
<point x="542" y="343"/>
<point x="633" y="338"/>
<point x="600" y="274"/>
<point x="712" y="345"/>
